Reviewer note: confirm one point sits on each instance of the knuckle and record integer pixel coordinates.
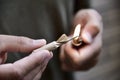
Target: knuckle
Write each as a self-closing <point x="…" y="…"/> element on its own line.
<point x="20" y="40"/>
<point x="23" y="40"/>
<point x="23" y="43"/>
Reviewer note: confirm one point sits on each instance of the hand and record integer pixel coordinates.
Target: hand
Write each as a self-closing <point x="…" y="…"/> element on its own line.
<point x="28" y="68"/>
<point x="84" y="57"/>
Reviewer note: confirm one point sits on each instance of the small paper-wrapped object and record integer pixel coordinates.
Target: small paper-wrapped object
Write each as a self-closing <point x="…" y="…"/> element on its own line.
<point x="55" y="44"/>
<point x="50" y="46"/>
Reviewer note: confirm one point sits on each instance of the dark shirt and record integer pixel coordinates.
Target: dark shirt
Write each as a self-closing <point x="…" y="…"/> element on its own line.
<point x="37" y="19"/>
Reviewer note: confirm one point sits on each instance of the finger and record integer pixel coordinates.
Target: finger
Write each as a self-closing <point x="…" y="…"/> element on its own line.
<point x="69" y="56"/>
<point x="65" y="59"/>
<point x="38" y="76"/>
<point x="26" y="65"/>
<point x="91" y="51"/>
<point x="7" y="72"/>
<point x="32" y="74"/>
<point x="22" y="67"/>
<point x="19" y="44"/>
<point x="71" y="53"/>
<point x="62" y="55"/>
<point x="88" y="65"/>
<point x="37" y="71"/>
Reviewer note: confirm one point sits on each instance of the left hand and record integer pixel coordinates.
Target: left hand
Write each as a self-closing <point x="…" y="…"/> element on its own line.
<point x="84" y="57"/>
<point x="30" y="67"/>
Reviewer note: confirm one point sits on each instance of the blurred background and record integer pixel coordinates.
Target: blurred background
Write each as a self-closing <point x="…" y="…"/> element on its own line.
<point x="108" y="67"/>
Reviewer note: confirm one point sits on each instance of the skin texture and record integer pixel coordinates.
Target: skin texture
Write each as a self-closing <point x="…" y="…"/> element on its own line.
<point x="27" y="68"/>
<point x="85" y="56"/>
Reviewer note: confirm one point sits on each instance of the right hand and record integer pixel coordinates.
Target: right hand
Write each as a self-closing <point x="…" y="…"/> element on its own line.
<point x="28" y="68"/>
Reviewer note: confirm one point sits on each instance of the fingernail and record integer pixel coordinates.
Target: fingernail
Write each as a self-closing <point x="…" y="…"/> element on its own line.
<point x="39" y="42"/>
<point x="87" y="37"/>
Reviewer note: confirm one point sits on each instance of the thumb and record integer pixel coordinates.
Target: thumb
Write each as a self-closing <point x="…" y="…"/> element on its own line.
<point x="90" y="31"/>
<point x="22" y="67"/>
<point x="19" y="44"/>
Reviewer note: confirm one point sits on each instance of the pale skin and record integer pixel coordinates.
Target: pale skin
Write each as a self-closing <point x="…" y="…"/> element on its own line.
<point x="84" y="57"/>
<point x="32" y="66"/>
<point x="27" y="68"/>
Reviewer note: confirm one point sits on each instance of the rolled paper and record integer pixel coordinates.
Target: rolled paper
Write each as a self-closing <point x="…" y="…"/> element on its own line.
<point x="55" y="44"/>
<point x="50" y="46"/>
